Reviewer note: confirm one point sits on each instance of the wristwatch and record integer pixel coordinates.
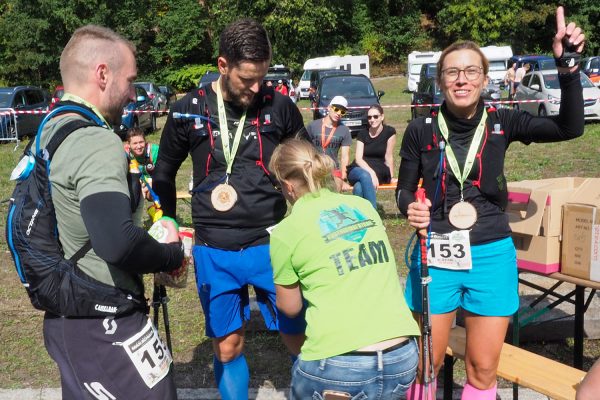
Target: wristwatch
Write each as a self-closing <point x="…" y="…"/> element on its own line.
<point x="570" y="57"/>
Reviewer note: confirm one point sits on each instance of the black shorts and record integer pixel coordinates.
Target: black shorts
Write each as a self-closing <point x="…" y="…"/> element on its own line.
<point x="93" y="363"/>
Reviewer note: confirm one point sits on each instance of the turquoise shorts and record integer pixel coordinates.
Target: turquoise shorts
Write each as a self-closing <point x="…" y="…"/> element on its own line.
<point x="490" y="288"/>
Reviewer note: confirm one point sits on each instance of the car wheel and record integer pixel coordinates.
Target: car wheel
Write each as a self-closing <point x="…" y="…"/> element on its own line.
<point x="542" y="111"/>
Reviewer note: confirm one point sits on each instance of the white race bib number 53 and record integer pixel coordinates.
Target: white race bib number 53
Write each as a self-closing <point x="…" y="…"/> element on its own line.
<point x="149" y="355"/>
<point x="450" y="250"/>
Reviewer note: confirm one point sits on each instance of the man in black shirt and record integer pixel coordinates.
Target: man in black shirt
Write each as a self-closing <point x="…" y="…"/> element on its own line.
<point x="235" y="199"/>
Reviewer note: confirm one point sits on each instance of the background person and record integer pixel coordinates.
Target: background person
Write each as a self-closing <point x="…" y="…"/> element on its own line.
<point x="481" y="276"/>
<point x="509" y="80"/>
<point x="235" y="199"/>
<point x="333" y="138"/>
<point x="92" y="202"/>
<point x="318" y="256"/>
<point x="281" y="88"/>
<point x="374" y="160"/>
<point x="146" y="154"/>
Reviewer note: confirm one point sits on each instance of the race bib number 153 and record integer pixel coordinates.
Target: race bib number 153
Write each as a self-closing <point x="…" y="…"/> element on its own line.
<point x="450" y="250"/>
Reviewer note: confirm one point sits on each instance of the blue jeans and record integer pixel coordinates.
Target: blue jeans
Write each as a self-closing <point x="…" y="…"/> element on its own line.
<point x="363" y="185"/>
<point x="385" y="375"/>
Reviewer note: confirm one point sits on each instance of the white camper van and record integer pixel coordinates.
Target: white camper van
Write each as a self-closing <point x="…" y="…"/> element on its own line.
<point x="355" y="64"/>
<point x="498" y="57"/>
<point x="415" y="60"/>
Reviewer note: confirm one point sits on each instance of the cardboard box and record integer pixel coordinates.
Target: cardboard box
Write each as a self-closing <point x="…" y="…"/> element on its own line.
<point x="534" y="207"/>
<point x="581" y="233"/>
<point x="535" y="214"/>
<point x="537" y="253"/>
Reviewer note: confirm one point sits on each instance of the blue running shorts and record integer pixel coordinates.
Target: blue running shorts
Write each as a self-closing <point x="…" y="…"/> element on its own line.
<point x="490" y="288"/>
<point x="222" y="279"/>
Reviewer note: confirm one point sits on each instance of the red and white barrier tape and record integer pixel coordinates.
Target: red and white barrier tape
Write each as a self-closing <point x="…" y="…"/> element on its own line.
<point x="38" y="112"/>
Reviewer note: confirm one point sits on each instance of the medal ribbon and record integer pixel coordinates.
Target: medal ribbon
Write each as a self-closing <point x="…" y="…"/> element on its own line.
<point x="462" y="177"/>
<point x="229" y="154"/>
<point x="325" y="142"/>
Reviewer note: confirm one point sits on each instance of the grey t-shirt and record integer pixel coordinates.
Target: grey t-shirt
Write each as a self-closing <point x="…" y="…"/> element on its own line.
<point x="91" y="160"/>
<point x="341" y="137"/>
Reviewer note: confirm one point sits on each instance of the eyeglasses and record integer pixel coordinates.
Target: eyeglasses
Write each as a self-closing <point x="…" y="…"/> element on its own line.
<point x="373" y="116"/>
<point x="472" y="72"/>
<point x="339" y="110"/>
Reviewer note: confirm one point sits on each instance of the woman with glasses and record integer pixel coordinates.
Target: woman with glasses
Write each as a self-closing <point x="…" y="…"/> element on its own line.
<point x="332" y="250"/>
<point x="459" y="155"/>
<point x="374" y="160"/>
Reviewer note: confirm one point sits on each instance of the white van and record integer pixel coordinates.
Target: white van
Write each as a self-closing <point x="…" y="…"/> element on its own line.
<point x="355" y="64"/>
<point x="498" y="57"/>
<point x="415" y="60"/>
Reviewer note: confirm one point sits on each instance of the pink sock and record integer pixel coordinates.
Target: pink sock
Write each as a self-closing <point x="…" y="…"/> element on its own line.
<point x="416" y="391"/>
<point x="472" y="393"/>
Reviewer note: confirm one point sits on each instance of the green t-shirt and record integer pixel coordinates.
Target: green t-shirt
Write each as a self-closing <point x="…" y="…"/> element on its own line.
<point x="336" y="246"/>
<point x="91" y="160"/>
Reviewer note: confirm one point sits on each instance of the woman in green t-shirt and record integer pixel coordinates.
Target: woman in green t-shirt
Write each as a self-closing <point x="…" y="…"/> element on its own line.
<point x="332" y="252"/>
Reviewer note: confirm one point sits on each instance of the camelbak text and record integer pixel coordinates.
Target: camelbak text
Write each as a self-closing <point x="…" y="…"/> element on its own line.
<point x="106" y="309"/>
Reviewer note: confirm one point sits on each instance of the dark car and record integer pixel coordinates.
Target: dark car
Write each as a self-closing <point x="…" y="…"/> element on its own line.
<point x="426" y="98"/>
<point x="169" y="93"/>
<point x="208" y="77"/>
<point x="358" y="91"/>
<point x="317" y="75"/>
<point x="139" y="113"/>
<point x="537" y="62"/>
<point x="281" y="73"/>
<point x="20" y="99"/>
<point x="158" y="99"/>
<point x="428" y="70"/>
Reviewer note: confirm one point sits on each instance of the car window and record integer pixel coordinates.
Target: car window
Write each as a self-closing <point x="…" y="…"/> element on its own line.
<point x="4" y="100"/>
<point x="585" y="81"/>
<point x="140" y="92"/>
<point x="595" y="63"/>
<point x="535" y="80"/>
<point x="526" y="80"/>
<point x="144" y="85"/>
<point x="497" y="66"/>
<point x="551" y="81"/>
<point x="415" y="69"/>
<point x="19" y="99"/>
<point x="33" y="97"/>
<point x="547" y="64"/>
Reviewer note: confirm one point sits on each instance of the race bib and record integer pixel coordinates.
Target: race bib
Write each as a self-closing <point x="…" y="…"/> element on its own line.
<point x="450" y="250"/>
<point x="149" y="355"/>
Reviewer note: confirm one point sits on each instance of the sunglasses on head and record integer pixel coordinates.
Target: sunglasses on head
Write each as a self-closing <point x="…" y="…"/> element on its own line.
<point x="373" y="116"/>
<point x="339" y="110"/>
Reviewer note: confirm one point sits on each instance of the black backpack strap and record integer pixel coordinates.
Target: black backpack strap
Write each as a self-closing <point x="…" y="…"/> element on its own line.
<point x="65" y="131"/>
<point x="56" y="141"/>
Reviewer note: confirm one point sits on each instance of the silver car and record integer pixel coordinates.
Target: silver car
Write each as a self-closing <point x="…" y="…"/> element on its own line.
<point x="159" y="100"/>
<point x="541" y="90"/>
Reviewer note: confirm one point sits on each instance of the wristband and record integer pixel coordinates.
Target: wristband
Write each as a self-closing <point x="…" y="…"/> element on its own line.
<point x="570" y="57"/>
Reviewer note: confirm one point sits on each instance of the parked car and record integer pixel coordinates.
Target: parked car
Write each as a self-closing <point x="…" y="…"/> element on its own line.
<point x="159" y="100"/>
<point x="169" y="93"/>
<point x="359" y="92"/>
<point x="23" y="98"/>
<point x="427" y="94"/>
<point x="543" y="85"/>
<point x="208" y="77"/>
<point x="280" y="72"/>
<point x="591" y="67"/>
<point x="317" y="75"/>
<point x="138" y="113"/>
<point x="537" y="62"/>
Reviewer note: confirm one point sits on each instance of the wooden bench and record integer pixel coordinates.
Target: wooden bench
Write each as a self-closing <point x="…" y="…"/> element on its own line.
<point x="527" y="369"/>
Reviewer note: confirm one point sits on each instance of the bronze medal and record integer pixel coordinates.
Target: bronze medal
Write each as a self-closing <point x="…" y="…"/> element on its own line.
<point x="223" y="197"/>
<point x="462" y="215"/>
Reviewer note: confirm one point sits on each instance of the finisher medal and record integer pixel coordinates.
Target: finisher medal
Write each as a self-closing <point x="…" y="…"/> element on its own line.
<point x="462" y="215"/>
<point x="223" y="197"/>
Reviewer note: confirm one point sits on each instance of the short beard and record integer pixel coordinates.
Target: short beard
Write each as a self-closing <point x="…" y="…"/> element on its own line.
<point x="234" y="96"/>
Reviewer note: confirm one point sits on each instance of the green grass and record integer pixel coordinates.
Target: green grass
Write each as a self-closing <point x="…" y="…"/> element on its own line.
<point x="24" y="361"/>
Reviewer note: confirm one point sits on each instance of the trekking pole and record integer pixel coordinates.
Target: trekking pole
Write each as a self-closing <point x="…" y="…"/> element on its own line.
<point x="159" y="295"/>
<point x="427" y="370"/>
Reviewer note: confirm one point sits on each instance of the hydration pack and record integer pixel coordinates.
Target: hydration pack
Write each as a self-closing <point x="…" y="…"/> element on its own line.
<point x="53" y="283"/>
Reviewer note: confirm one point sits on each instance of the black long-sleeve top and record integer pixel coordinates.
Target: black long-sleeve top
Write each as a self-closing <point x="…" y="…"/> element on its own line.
<point x="485" y="186"/>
